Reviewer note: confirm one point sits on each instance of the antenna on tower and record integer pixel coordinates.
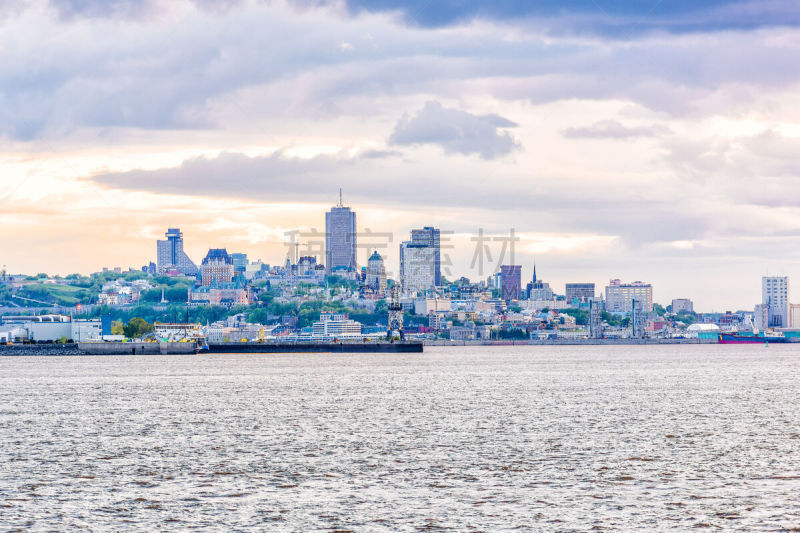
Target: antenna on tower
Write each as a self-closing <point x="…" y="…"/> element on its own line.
<point x="340" y="198"/>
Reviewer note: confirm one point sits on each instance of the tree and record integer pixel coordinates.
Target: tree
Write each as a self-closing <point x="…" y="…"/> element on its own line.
<point x="581" y="315"/>
<point x="659" y="309"/>
<point x="117" y="328"/>
<point x="137" y="327"/>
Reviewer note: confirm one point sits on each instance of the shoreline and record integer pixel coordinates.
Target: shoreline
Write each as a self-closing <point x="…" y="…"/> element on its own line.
<point x="73" y="349"/>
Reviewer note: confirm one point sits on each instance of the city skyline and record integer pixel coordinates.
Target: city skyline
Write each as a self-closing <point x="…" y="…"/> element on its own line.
<point x="629" y="142"/>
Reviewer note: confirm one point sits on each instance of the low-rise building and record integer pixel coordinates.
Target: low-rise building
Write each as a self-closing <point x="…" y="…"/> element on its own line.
<point x="425" y="306"/>
<point x="335" y="325"/>
<point x="682" y="305"/>
<point x="469" y="332"/>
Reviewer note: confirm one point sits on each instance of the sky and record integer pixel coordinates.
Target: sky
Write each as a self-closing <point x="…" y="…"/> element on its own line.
<point x="653" y="140"/>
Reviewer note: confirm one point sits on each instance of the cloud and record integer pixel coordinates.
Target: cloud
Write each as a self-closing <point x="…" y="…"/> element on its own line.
<point x="191" y="65"/>
<point x="767" y="154"/>
<point x="617" y="17"/>
<point x="612" y="129"/>
<point x="129" y="9"/>
<point x="426" y="187"/>
<point x="456" y="131"/>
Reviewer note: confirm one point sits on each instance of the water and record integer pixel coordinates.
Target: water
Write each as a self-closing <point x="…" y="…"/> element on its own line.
<point x="532" y="438"/>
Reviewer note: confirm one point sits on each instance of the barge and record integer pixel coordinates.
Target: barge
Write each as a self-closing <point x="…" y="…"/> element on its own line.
<point x="315" y="347"/>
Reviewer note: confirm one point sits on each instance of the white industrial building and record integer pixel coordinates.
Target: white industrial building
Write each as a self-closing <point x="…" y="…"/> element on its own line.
<point x="49" y="328"/>
<point x="336" y="325"/>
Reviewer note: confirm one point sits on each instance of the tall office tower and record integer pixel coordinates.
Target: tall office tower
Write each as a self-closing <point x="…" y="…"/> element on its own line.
<point x="775" y="295"/>
<point x="429" y="236"/>
<point x="170" y="254"/>
<point x="511" y="282"/>
<point x="376" y="273"/>
<point x="417" y="267"/>
<point x="619" y="296"/>
<point x="217" y="267"/>
<point x="340" y="238"/>
<point x="240" y="263"/>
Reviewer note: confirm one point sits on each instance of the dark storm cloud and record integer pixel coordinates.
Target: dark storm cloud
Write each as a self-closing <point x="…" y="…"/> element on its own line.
<point x="456" y="131"/>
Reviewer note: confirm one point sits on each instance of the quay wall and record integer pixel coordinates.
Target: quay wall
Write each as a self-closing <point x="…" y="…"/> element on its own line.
<point x="569" y="342"/>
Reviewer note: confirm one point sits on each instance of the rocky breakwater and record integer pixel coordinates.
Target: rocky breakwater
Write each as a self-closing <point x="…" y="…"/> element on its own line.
<point x="40" y="349"/>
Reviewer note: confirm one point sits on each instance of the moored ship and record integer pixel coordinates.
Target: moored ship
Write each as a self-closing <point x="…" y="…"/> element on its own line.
<point x="737" y="338"/>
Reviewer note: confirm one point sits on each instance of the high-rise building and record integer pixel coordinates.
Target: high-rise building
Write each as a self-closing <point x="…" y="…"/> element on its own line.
<point x="417" y="267"/>
<point x="619" y="296"/>
<point x="240" y="263"/>
<point x="340" y="238"/>
<point x="217" y="267"/>
<point x="430" y="236"/>
<point x="583" y="292"/>
<point x="376" y="273"/>
<point x="511" y="282"/>
<point x="794" y="316"/>
<point x="761" y="317"/>
<point x="775" y="295"/>
<point x="170" y="254"/>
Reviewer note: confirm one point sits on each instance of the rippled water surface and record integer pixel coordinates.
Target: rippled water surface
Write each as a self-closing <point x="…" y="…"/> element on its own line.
<point x="542" y="438"/>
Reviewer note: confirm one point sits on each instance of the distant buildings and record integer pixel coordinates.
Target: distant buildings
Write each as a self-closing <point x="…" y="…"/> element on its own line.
<point x="619" y="296"/>
<point x="420" y="261"/>
<point x="306" y="265"/>
<point x="224" y="294"/>
<point x="340" y="239"/>
<point x="583" y="292"/>
<point x="794" y="316"/>
<point x="761" y="317"/>
<point x="417" y="268"/>
<point x="171" y="257"/>
<point x="217" y="267"/>
<point x="240" y="263"/>
<point x="682" y="305"/>
<point x="335" y="325"/>
<point x="511" y="282"/>
<point x="538" y="290"/>
<point x="430" y="237"/>
<point x="376" y="273"/>
<point x="775" y="296"/>
<point x="50" y="328"/>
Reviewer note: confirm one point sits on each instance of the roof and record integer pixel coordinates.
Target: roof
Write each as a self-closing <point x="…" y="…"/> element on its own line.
<point x="703" y="327"/>
<point x="218" y="254"/>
